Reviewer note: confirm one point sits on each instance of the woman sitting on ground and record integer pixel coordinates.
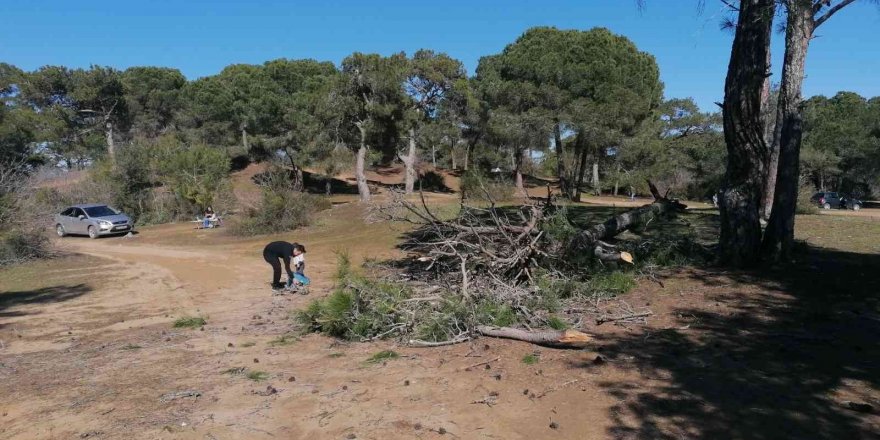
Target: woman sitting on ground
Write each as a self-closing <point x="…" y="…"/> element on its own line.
<point x="210" y="217"/>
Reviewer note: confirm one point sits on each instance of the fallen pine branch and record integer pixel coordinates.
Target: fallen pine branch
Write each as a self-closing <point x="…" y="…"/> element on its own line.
<point x="549" y="338"/>
<point x="603" y="319"/>
<point x="420" y="343"/>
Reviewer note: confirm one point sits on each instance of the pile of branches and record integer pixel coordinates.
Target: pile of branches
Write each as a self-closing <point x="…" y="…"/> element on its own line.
<point x="508" y="246"/>
<point x="501" y="254"/>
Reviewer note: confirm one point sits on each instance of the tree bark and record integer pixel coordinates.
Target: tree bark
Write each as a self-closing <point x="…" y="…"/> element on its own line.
<point x="111" y="146"/>
<point x="590" y="239"/>
<point x="360" y="175"/>
<point x="517" y="163"/>
<point x="433" y="156"/>
<point x="549" y="338"/>
<point x="779" y="235"/>
<point x="244" y="138"/>
<point x="772" y="130"/>
<point x="560" y="160"/>
<point x="409" y="163"/>
<point x="595" y="181"/>
<point x="747" y="152"/>
<point x="328" y="186"/>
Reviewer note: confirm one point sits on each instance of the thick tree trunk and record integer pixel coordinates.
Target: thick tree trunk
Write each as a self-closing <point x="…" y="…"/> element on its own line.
<point x="454" y="167"/>
<point x="772" y="117"/>
<point x="244" y="139"/>
<point x="590" y="239"/>
<point x="433" y="156"/>
<point x="111" y="146"/>
<point x="560" y="160"/>
<point x="360" y="174"/>
<point x="328" y="186"/>
<point x="779" y="235"/>
<point x="549" y="338"/>
<point x="744" y="134"/>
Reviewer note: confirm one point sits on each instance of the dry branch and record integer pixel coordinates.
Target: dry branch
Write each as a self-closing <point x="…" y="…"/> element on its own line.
<point x="549" y="338"/>
<point x="603" y="319"/>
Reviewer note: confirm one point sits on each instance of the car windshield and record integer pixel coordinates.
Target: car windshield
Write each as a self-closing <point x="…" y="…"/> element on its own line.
<point x="100" y="211"/>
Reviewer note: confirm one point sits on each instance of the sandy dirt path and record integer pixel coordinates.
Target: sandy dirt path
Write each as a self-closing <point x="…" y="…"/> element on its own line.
<point x="90" y="352"/>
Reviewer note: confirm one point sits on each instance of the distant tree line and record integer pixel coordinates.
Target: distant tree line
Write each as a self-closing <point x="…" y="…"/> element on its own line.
<point x="585" y="107"/>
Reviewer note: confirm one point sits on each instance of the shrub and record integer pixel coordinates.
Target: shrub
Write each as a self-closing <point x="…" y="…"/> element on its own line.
<point x="478" y="186"/>
<point x="18" y="246"/>
<point x="281" y="208"/>
<point x="193" y="174"/>
<point x="804" y="204"/>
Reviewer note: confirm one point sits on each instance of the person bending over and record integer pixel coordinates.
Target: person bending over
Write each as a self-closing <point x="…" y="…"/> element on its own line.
<point x="276" y="252"/>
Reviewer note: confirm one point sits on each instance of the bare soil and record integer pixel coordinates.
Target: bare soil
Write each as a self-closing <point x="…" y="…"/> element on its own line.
<point x="89" y="350"/>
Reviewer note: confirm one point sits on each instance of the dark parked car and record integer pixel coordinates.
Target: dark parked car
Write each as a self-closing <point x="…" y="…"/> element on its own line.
<point x="92" y="220"/>
<point x="829" y="200"/>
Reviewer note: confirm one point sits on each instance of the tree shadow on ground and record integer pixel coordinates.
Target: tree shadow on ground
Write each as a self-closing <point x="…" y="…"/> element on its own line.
<point x="762" y="358"/>
<point x="45" y="295"/>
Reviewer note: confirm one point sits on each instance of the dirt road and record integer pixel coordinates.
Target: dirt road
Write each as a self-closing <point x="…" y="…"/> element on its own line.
<point x="89" y="351"/>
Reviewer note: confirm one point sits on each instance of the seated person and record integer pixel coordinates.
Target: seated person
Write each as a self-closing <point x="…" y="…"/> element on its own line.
<point x="210" y="218"/>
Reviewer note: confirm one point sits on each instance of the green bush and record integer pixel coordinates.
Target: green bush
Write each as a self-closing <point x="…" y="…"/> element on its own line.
<point x="476" y="185"/>
<point x="281" y="208"/>
<point x="193" y="174"/>
<point x="18" y="246"/>
<point x="804" y="205"/>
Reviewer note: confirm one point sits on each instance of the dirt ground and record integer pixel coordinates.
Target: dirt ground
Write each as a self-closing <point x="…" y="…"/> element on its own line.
<point x="88" y="350"/>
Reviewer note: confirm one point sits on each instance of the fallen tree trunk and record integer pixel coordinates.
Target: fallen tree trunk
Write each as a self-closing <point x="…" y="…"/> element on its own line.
<point x="548" y="338"/>
<point x="590" y="239"/>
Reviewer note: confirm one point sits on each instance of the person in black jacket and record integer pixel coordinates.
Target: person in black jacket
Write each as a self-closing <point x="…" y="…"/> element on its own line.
<point x="274" y="253"/>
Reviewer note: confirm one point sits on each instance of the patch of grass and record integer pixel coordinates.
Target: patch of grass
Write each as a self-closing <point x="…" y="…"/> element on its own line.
<point x="336" y="355"/>
<point x="131" y="347"/>
<point x="284" y="340"/>
<point x="257" y="376"/>
<point x="557" y="323"/>
<point x="611" y="283"/>
<point x="189" y="322"/>
<point x="530" y="359"/>
<point x="248" y="344"/>
<point x="235" y="371"/>
<point x="382" y="356"/>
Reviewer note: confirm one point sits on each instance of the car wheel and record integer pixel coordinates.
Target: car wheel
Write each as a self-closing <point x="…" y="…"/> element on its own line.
<point x="857" y="207"/>
<point x="60" y="230"/>
<point x="93" y="233"/>
<point x="826" y="206"/>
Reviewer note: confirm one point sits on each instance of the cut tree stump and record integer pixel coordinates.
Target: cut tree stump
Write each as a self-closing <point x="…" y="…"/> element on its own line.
<point x="548" y="338"/>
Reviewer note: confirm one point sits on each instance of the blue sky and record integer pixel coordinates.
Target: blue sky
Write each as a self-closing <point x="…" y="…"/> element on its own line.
<point x="201" y="37"/>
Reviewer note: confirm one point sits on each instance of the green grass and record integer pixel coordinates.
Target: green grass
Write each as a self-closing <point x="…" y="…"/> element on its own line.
<point x="557" y="323"/>
<point x="257" y="376"/>
<point x="531" y="359"/>
<point x="336" y="355"/>
<point x="248" y="344"/>
<point x="235" y="370"/>
<point x="190" y="322"/>
<point x="131" y="347"/>
<point x="382" y="356"/>
<point x="283" y="340"/>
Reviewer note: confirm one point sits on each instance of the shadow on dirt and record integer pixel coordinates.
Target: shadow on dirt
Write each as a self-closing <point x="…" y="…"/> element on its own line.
<point x="765" y="365"/>
<point x="11" y="299"/>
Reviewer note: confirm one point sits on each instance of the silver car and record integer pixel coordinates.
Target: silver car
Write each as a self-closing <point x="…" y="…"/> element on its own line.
<point x="93" y="220"/>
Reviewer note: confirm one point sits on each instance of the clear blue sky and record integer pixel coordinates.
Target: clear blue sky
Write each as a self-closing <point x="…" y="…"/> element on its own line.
<point x="201" y="37"/>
